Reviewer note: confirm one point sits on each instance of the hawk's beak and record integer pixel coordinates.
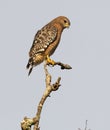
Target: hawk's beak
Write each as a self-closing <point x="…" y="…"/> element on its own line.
<point x="67" y="25"/>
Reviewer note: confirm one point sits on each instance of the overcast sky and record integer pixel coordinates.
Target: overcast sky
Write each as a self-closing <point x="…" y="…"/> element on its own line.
<point x="85" y="91"/>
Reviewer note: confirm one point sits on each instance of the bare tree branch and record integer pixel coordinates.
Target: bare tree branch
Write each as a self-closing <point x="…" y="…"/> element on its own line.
<point x="28" y="122"/>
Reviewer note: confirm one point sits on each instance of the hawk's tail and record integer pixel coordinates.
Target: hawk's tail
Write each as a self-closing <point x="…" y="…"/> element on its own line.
<point x="33" y="61"/>
<point x="29" y="66"/>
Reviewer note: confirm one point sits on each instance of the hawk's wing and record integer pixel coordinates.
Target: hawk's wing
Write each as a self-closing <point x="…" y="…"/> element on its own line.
<point x="43" y="39"/>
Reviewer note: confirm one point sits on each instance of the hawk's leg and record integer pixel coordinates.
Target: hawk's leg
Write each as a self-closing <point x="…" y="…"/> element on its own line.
<point x="50" y="61"/>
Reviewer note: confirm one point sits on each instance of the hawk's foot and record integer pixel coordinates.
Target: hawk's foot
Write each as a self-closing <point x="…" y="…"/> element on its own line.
<point x="50" y="61"/>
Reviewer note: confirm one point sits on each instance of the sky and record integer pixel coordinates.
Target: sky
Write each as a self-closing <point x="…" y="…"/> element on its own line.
<point x="84" y="93"/>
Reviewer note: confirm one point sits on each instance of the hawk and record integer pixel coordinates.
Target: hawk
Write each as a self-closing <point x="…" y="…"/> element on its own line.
<point x="46" y="41"/>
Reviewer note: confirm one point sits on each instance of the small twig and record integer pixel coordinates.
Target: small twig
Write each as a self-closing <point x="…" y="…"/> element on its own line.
<point x="86" y="124"/>
<point x="63" y="66"/>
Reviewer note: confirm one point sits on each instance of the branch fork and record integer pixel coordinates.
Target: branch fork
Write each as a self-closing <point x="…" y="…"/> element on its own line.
<point x="27" y="123"/>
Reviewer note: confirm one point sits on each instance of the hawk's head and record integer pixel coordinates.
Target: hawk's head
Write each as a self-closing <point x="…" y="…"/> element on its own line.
<point x="63" y="21"/>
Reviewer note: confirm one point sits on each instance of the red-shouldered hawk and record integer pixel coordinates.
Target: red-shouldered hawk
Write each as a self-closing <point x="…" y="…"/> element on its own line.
<point x="46" y="41"/>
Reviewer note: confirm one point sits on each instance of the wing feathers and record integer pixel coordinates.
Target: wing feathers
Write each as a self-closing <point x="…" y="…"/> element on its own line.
<point x="43" y="39"/>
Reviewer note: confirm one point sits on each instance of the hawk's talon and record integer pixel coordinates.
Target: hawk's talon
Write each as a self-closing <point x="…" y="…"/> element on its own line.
<point x="50" y="61"/>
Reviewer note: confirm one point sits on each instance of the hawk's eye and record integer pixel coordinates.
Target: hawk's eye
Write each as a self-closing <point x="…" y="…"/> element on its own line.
<point x="65" y="21"/>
